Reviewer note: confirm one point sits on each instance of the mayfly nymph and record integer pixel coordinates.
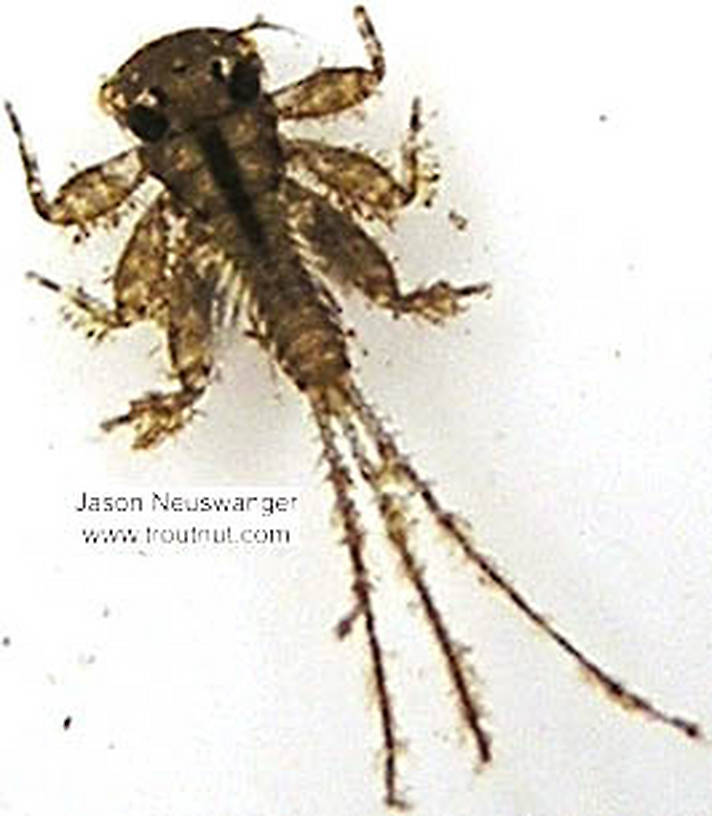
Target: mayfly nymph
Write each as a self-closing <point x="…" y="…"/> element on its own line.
<point x="252" y="225"/>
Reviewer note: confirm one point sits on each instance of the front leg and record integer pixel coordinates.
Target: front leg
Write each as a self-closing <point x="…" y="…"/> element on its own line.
<point x="91" y="193"/>
<point x="330" y="90"/>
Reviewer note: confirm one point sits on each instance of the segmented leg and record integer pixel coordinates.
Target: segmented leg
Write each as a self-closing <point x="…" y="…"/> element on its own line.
<point x="92" y="193"/>
<point x="341" y="483"/>
<point x="82" y="310"/>
<point x="456" y="531"/>
<point x="336" y="247"/>
<point x="357" y="183"/>
<point x="157" y="415"/>
<point x="330" y="90"/>
<point x="140" y="281"/>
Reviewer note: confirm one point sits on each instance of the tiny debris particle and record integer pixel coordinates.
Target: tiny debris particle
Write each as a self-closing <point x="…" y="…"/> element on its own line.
<point x="603" y="117"/>
<point x="6" y="641"/>
<point x="66" y="723"/>
<point x="458" y="220"/>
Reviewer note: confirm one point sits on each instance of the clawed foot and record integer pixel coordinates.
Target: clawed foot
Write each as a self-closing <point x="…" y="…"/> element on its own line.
<point x="155" y="416"/>
<point x="441" y="300"/>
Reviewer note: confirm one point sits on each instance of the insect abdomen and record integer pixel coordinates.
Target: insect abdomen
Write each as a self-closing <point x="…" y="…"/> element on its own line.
<point x="300" y="324"/>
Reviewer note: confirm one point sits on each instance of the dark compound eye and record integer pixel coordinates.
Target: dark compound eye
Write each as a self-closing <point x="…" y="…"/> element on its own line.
<point x="147" y="123"/>
<point x="243" y="84"/>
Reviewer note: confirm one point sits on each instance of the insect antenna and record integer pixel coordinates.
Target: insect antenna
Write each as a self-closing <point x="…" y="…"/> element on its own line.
<point x="260" y="22"/>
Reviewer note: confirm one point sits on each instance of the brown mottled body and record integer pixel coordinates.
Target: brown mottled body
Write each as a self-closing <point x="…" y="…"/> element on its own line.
<point x="224" y="161"/>
<point x="249" y="217"/>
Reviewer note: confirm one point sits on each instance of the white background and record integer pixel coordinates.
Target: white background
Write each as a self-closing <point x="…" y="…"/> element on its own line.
<point x="569" y="418"/>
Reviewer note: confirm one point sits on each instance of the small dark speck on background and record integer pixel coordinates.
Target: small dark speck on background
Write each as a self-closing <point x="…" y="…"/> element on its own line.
<point x="458" y="220"/>
<point x="603" y="117"/>
<point x="67" y="722"/>
<point x="6" y="641"/>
